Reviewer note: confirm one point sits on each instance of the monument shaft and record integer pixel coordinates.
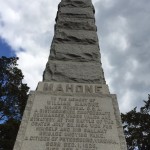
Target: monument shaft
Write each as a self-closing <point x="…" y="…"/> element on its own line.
<point x="72" y="109"/>
<point x="75" y="55"/>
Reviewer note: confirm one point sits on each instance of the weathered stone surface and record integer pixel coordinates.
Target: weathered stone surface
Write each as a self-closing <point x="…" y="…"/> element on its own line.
<point x="84" y="20"/>
<point x="123" y="145"/>
<point x="91" y="22"/>
<point x="80" y="53"/>
<point x="76" y="3"/>
<point x="68" y="115"/>
<point x="75" y="12"/>
<point x="79" y="11"/>
<point x="73" y="72"/>
<point x="76" y="25"/>
<point x="24" y="123"/>
<point x="64" y="16"/>
<point x="75" y="37"/>
<point x="85" y="1"/>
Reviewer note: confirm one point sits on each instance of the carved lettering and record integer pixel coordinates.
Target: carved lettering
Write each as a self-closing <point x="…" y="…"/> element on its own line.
<point x="98" y="89"/>
<point x="59" y="88"/>
<point x="65" y="123"/>
<point x="72" y="88"/>
<point x="79" y="89"/>
<point x="69" y="88"/>
<point x="88" y="89"/>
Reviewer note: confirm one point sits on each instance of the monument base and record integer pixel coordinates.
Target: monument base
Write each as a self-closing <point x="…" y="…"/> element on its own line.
<point x="71" y="116"/>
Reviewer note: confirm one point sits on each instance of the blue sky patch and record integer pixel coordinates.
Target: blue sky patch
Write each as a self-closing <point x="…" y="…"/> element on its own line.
<point x="5" y="49"/>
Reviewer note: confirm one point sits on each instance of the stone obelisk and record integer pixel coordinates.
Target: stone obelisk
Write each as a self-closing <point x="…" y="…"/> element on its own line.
<point x="72" y="109"/>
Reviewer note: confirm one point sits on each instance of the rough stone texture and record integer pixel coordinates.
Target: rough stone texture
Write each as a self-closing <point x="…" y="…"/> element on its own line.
<point x="77" y="20"/>
<point x="119" y="122"/>
<point x="76" y="3"/>
<point x="77" y="52"/>
<point x="72" y="109"/>
<point x="75" y="120"/>
<point x="24" y="123"/>
<point x="75" y="37"/>
<point x="74" y="72"/>
<point x="74" y="25"/>
<point x="75" y="42"/>
<point x="86" y="12"/>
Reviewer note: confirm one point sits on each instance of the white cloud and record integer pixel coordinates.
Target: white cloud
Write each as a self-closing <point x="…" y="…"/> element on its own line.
<point x="125" y="104"/>
<point x="33" y="66"/>
<point x="123" y="27"/>
<point x="28" y="29"/>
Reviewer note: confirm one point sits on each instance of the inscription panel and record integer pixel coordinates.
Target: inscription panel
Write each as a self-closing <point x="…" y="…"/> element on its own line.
<point x="72" y="88"/>
<point x="71" y="123"/>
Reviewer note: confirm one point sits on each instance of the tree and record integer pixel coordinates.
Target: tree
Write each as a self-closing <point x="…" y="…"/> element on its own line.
<point x="136" y="126"/>
<point x="13" y="98"/>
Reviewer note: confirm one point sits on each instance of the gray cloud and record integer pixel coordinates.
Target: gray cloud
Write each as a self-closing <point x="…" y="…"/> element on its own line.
<point x="126" y="22"/>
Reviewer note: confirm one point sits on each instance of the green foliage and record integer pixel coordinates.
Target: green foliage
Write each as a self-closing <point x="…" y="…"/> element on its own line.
<point x="13" y="98"/>
<point x="8" y="133"/>
<point x="137" y="127"/>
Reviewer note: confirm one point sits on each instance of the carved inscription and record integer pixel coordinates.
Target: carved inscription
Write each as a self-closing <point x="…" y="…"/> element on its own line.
<point x="71" y="123"/>
<point x="71" y="88"/>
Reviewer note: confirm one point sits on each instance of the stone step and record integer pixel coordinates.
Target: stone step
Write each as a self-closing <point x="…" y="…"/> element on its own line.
<point x="85" y="1"/>
<point x="84" y="72"/>
<point x="89" y="22"/>
<point x="76" y="25"/>
<point x="75" y="37"/>
<point x="78" y="20"/>
<point x="76" y="12"/>
<point x="76" y="3"/>
<point x="75" y="52"/>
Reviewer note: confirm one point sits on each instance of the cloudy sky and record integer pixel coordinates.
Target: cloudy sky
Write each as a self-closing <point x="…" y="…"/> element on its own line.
<point x="26" y="31"/>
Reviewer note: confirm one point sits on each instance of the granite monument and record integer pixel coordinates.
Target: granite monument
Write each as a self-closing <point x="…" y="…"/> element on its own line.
<point x="72" y="108"/>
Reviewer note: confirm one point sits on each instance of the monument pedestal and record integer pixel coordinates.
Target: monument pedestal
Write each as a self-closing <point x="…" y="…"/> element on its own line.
<point x="71" y="116"/>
